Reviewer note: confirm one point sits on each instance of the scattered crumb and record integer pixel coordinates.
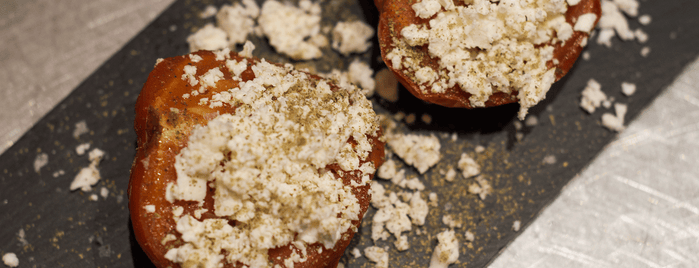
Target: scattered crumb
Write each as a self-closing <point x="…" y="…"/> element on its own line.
<point x="628" y="88"/>
<point x="10" y="259"/>
<point x="645" y="51"/>
<point x="516" y="225"/>
<point x="644" y="19"/>
<point x="377" y="255"/>
<point x="94" y="197"/>
<point x="208" y="12"/>
<point x="433" y="199"/>
<point x="615" y="123"/>
<point x="531" y="120"/>
<point x="352" y="37"/>
<point x="592" y="96"/>
<point x="454" y="136"/>
<point x="89" y="175"/>
<point x="80" y="128"/>
<point x="40" y="161"/>
<point x="356" y="253"/>
<point x="448" y="220"/>
<point x="549" y="159"/>
<point x="420" y="151"/>
<point x="586" y="55"/>
<point x="469" y="236"/>
<point x="82" y="148"/>
<point x="151" y="208"/>
<point x="482" y="187"/>
<point x="479" y="149"/>
<point x="450" y="175"/>
<point x="58" y="173"/>
<point x="447" y="250"/>
<point x="104" y="192"/>
<point x="468" y="166"/>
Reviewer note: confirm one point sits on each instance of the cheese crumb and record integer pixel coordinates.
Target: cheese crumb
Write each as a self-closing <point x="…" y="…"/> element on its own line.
<point x="615" y="122"/>
<point x="287" y="27"/>
<point x="207" y="38"/>
<point x="149" y="208"/>
<point x="89" y="175"/>
<point x="10" y="259"/>
<point x="420" y="151"/>
<point x="585" y="22"/>
<point x="377" y="255"/>
<point x="356" y="253"/>
<point x="447" y="250"/>
<point x="352" y="37"/>
<point x="40" y="161"/>
<point x="516" y="225"/>
<point x="82" y="148"/>
<point x="468" y="166"/>
<point x="628" y="88"/>
<point x="238" y="21"/>
<point x="104" y="192"/>
<point x="592" y="96"/>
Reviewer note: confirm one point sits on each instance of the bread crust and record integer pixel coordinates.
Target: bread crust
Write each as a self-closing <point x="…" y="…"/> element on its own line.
<point x="394" y="15"/>
<point x="163" y="123"/>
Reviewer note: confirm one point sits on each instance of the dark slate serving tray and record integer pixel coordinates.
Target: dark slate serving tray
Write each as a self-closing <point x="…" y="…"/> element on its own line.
<point x="66" y="229"/>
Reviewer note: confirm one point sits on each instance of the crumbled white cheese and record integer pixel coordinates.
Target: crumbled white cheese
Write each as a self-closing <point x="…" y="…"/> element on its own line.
<point x="388" y="170"/>
<point x="361" y="74"/>
<point x="482" y="187"/>
<point x="104" y="192"/>
<point x="287" y="27"/>
<point x="480" y="148"/>
<point x="287" y="169"/>
<point x="468" y="166"/>
<point x="549" y="159"/>
<point x="248" y="48"/>
<point x="80" y="128"/>
<point x="377" y="255"/>
<point x="630" y="7"/>
<point x="573" y="2"/>
<point x="644" y="19"/>
<point x="612" y="20"/>
<point x="585" y="22"/>
<point x="420" y="151"/>
<point x="352" y="37"/>
<point x="592" y="96"/>
<point x="10" y="259"/>
<point x="516" y="225"/>
<point x="640" y="35"/>
<point x="82" y="148"/>
<point x="238" y="21"/>
<point x="449" y="221"/>
<point x="450" y="175"/>
<point x="89" y="175"/>
<point x="628" y="88"/>
<point x="40" y="161"/>
<point x="469" y="236"/>
<point x="209" y="11"/>
<point x="149" y="208"/>
<point x="447" y="250"/>
<point x="531" y="121"/>
<point x="207" y="38"/>
<point x="418" y="209"/>
<point x="356" y="253"/>
<point x="645" y="51"/>
<point x="94" y="197"/>
<point x="615" y="122"/>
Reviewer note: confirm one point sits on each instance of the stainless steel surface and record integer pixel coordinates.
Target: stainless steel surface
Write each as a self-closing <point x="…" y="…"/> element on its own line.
<point x="48" y="47"/>
<point x="636" y="205"/>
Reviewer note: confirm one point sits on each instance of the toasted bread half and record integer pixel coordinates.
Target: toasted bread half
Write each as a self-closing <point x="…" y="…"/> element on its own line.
<point x="164" y="122"/>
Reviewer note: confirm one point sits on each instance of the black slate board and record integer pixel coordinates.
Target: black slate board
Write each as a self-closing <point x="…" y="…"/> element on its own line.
<point x="66" y="229"/>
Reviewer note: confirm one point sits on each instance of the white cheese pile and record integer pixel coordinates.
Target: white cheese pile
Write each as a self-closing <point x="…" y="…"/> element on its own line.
<point x="487" y="47"/>
<point x="267" y="164"/>
<point x="238" y="20"/>
<point x="294" y="31"/>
